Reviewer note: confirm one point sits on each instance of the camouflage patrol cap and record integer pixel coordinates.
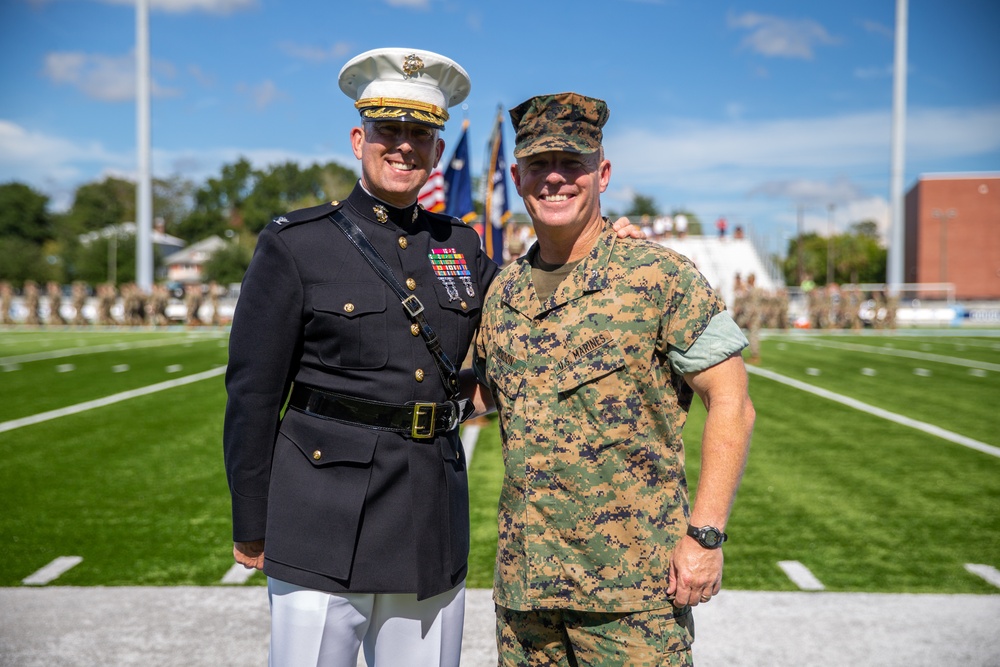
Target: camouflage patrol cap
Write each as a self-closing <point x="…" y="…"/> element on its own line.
<point x="562" y="122"/>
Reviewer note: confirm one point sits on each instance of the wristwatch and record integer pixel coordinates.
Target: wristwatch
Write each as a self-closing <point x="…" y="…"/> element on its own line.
<point x="709" y="537"/>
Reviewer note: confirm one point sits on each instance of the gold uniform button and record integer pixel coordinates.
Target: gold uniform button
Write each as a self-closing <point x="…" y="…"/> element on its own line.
<point x="334" y="203"/>
<point x="415" y="329"/>
<point x="317" y="455"/>
<point x="402" y="242"/>
<point x="419" y="374"/>
<point x="411" y="283"/>
<point x="349" y="307"/>
<point x="464" y="305"/>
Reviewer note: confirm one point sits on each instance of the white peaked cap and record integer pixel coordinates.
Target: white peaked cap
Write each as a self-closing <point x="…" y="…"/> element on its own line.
<point x="404" y="84"/>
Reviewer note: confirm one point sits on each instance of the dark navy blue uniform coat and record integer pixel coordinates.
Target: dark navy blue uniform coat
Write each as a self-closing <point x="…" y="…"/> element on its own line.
<point x="345" y="508"/>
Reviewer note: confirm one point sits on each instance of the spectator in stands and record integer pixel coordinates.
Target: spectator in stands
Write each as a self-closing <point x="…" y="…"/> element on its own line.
<point x="721" y="225"/>
<point x="681" y="225"/>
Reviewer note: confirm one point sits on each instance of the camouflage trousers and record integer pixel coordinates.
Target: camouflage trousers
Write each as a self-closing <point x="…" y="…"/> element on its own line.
<point x="570" y="638"/>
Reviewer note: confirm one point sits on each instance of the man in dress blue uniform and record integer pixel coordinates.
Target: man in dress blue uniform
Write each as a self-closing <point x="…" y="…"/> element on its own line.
<point x="355" y="502"/>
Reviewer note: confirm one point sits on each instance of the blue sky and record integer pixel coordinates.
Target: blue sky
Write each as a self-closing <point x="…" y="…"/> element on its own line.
<point x="744" y="109"/>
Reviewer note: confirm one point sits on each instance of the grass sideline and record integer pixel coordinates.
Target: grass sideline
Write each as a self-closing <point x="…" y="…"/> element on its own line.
<point x="138" y="490"/>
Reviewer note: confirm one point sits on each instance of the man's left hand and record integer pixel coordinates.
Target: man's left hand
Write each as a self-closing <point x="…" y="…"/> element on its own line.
<point x="626" y="229"/>
<point x="695" y="573"/>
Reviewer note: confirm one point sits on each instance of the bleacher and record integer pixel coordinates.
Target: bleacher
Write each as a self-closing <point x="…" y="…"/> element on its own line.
<point x="720" y="260"/>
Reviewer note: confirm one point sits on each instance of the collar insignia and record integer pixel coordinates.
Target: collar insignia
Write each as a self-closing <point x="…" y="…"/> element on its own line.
<point x="381" y="214"/>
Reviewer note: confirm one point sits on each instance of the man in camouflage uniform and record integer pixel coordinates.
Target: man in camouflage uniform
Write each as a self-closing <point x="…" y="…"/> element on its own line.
<point x="54" y="291"/>
<point x="79" y="301"/>
<point x="592" y="347"/>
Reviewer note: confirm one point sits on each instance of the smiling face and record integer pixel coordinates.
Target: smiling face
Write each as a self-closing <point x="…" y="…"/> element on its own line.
<point x="562" y="190"/>
<point x="396" y="158"/>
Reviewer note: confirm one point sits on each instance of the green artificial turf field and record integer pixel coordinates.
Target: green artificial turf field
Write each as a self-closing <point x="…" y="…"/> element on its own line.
<point x="137" y="488"/>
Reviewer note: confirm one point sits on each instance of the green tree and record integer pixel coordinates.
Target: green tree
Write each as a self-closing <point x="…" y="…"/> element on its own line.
<point x="24" y="214"/>
<point x="227" y="265"/>
<point x="642" y="205"/>
<point x="100" y="204"/>
<point x="858" y="257"/>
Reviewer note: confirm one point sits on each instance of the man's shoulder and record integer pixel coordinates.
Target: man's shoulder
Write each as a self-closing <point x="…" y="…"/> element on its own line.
<point x="636" y="254"/>
<point x="303" y="215"/>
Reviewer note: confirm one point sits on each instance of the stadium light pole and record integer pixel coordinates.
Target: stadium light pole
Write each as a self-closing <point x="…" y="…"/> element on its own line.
<point x="897" y="234"/>
<point x="144" y="186"/>
<point x="829" y="244"/>
<point x="799" y="250"/>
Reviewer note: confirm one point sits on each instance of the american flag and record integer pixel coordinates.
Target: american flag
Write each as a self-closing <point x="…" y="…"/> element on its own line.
<point x="431" y="196"/>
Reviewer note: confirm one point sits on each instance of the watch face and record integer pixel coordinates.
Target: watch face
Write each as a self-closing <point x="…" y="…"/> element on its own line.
<point x="711" y="537"/>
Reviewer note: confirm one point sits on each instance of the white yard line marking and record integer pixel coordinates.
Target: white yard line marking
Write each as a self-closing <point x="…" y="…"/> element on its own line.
<point x="923" y="356"/>
<point x="108" y="400"/>
<point x="53" y="570"/>
<point x="109" y="347"/>
<point x="65" y="368"/>
<point x="987" y="572"/>
<point x="120" y="368"/>
<point x="800" y="575"/>
<point x="174" y="368"/>
<point x="878" y="412"/>
<point x="237" y="574"/>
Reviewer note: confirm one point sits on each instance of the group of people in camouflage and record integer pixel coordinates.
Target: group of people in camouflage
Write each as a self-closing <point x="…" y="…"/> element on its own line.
<point x="848" y="307"/>
<point x="137" y="307"/>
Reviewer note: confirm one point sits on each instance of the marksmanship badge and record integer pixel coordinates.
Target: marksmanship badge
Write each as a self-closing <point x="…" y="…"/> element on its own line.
<point x="448" y="265"/>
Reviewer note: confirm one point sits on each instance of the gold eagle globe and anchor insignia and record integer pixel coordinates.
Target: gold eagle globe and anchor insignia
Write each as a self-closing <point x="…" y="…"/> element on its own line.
<point x="381" y="214"/>
<point x="412" y="64"/>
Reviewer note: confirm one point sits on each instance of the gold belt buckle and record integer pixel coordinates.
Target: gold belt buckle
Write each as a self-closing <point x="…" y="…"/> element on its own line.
<point x="420" y="411"/>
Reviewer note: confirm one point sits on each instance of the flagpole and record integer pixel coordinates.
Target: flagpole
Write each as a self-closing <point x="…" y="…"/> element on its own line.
<point x="144" y="188"/>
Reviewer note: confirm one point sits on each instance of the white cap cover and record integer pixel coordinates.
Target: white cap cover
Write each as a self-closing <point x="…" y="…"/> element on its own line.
<point x="404" y="85"/>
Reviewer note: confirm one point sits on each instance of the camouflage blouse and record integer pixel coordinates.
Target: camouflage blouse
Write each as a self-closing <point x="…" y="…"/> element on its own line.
<point x="594" y="495"/>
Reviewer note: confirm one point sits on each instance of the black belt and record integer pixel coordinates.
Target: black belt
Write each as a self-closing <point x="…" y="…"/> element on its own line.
<point x="418" y="420"/>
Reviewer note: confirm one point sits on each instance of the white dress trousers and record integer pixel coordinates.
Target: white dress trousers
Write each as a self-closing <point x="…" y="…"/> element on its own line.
<point x="311" y="628"/>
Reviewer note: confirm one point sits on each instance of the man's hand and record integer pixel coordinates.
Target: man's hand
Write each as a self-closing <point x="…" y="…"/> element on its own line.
<point x="626" y="229"/>
<point x="249" y="554"/>
<point x="695" y="573"/>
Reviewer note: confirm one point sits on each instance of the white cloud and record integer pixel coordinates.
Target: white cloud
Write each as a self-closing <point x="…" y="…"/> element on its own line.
<point x="877" y="28"/>
<point x="102" y="77"/>
<point x="262" y="94"/>
<point x="415" y="4"/>
<point x="679" y="147"/>
<point x="183" y="6"/>
<point x="873" y="72"/>
<point x="811" y="192"/>
<point x="317" y="54"/>
<point x="773" y="36"/>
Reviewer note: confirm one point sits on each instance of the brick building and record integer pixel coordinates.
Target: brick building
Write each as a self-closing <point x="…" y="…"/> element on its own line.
<point x="953" y="234"/>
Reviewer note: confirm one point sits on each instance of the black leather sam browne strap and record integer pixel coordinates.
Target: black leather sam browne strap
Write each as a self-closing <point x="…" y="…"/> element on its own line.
<point x="411" y="304"/>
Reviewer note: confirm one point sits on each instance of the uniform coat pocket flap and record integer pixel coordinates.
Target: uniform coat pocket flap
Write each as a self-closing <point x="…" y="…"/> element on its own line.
<point x="348" y="299"/>
<point x="327" y="441"/>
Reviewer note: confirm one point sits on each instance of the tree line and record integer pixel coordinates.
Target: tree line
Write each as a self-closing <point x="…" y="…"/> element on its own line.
<point x="80" y="243"/>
